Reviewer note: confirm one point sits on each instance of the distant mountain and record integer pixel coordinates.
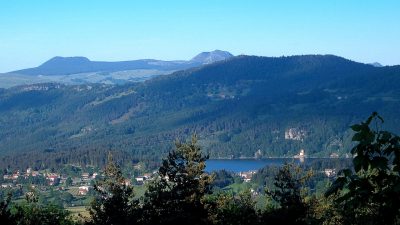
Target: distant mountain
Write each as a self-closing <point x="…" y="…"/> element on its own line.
<point x="270" y="105"/>
<point x="211" y="57"/>
<point x="376" y="64"/>
<point x="81" y="70"/>
<point x="75" y="65"/>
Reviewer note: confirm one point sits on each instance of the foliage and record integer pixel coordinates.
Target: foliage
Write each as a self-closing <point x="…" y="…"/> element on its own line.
<point x="371" y="193"/>
<point x="67" y="197"/>
<point x="289" y="184"/>
<point x="228" y="209"/>
<point x="36" y="214"/>
<point x="183" y="192"/>
<point x="68" y="181"/>
<point x="237" y="106"/>
<point x="114" y="203"/>
<point x="31" y="212"/>
<point x="222" y="178"/>
<point x="6" y="217"/>
<point x="177" y="195"/>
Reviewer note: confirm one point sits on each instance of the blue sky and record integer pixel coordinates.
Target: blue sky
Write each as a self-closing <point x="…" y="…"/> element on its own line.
<point x="31" y="32"/>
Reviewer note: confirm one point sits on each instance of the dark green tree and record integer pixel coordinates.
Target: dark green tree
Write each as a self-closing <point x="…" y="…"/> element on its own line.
<point x="68" y="182"/>
<point x="229" y="209"/>
<point x="67" y="197"/>
<point x="370" y="194"/>
<point x="176" y="196"/>
<point x="113" y="203"/>
<point x="33" y="213"/>
<point x="289" y="184"/>
<point x="222" y="178"/>
<point x="6" y="217"/>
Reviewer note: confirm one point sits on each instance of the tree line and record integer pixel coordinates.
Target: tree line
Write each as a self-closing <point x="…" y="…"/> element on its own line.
<point x="366" y="193"/>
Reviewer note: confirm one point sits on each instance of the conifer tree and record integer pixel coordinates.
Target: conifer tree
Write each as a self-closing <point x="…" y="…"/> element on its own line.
<point x="5" y="215"/>
<point x="113" y="204"/>
<point x="289" y="184"/>
<point x="177" y="195"/>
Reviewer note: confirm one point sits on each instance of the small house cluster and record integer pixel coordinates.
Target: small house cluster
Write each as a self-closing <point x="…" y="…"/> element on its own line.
<point x="246" y="176"/>
<point x="81" y="184"/>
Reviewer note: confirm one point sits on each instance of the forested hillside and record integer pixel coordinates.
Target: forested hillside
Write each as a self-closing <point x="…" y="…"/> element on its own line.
<point x="237" y="107"/>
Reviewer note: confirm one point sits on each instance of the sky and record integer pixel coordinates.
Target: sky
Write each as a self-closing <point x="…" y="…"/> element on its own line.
<point x="32" y="32"/>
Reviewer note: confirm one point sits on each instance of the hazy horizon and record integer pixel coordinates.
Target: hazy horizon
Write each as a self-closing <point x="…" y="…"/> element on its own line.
<point x="35" y="31"/>
<point x="187" y="59"/>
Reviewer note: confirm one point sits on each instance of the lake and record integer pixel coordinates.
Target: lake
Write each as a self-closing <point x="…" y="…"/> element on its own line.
<point x="240" y="165"/>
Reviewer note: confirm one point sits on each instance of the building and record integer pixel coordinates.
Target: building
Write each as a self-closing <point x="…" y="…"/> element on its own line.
<point x="15" y="176"/>
<point x="140" y="180"/>
<point x="54" y="178"/>
<point x="35" y="173"/>
<point x="85" y="176"/>
<point x="147" y="176"/>
<point x="334" y="155"/>
<point x="137" y="167"/>
<point x="246" y="176"/>
<point x="127" y="182"/>
<point x="330" y="172"/>
<point x="83" y="190"/>
<point x="8" y="185"/>
<point x="302" y="154"/>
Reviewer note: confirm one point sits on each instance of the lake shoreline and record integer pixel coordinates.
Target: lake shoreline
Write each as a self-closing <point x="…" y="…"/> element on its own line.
<point x="252" y="164"/>
<point x="277" y="157"/>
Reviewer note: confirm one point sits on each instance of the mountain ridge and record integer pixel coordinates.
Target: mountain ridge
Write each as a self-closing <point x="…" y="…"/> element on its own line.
<point x="237" y="106"/>
<point x="78" y="64"/>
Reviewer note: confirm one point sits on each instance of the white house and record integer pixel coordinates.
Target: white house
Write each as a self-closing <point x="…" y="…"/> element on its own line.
<point x="83" y="190"/>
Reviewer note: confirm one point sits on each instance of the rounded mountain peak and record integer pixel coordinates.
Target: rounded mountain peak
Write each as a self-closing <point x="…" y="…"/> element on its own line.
<point x="65" y="61"/>
<point x="210" y="57"/>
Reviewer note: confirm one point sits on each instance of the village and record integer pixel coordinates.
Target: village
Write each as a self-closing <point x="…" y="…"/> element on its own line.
<point x="71" y="189"/>
<point x="43" y="180"/>
<point x="84" y="183"/>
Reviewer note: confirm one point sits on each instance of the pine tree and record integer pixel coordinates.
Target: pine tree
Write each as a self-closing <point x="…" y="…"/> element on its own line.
<point x="114" y="204"/>
<point x="226" y="208"/>
<point x="5" y="215"/>
<point x="289" y="183"/>
<point x="177" y="195"/>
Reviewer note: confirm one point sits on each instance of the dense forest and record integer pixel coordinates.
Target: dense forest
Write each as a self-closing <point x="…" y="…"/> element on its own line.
<point x="365" y="193"/>
<point x="240" y="106"/>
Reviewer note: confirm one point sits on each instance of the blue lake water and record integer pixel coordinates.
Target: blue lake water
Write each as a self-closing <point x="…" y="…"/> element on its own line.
<point x="240" y="165"/>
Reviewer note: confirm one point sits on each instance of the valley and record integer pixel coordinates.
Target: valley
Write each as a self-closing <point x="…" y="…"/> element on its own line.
<point x="238" y="106"/>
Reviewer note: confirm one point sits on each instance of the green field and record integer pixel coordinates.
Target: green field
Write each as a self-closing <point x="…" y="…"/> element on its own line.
<point x="78" y="212"/>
